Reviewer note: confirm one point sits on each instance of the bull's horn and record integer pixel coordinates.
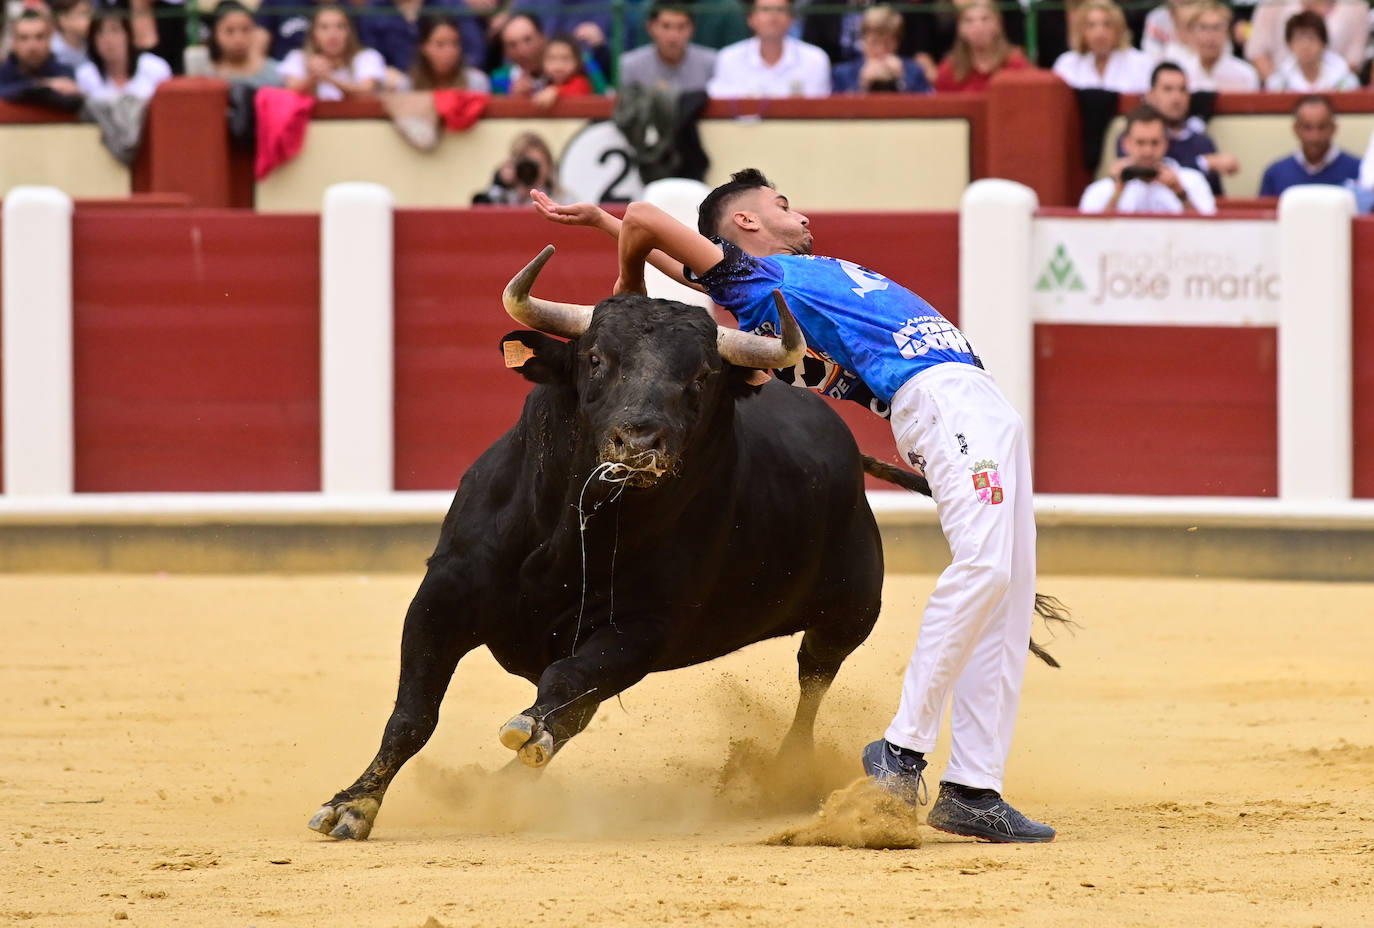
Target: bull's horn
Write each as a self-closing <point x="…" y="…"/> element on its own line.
<point x="569" y="320"/>
<point x="745" y="349"/>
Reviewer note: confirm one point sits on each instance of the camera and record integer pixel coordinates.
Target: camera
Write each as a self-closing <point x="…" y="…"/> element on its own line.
<point x="527" y="171"/>
<point x="1135" y="172"/>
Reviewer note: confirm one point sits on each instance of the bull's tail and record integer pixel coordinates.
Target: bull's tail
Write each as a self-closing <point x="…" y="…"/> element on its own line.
<point x="1050" y="609"/>
<point x="900" y="476"/>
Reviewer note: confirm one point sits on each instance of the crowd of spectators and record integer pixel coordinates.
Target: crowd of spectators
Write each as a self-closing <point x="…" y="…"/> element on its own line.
<point x="64" y="52"/>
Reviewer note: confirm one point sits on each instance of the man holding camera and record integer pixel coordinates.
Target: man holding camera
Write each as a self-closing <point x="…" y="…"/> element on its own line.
<point x="1145" y="181"/>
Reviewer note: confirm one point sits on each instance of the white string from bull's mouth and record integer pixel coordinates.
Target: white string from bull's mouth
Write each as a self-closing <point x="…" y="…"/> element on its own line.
<point x="608" y="472"/>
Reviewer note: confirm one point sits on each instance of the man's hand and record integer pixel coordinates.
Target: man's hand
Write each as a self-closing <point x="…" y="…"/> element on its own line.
<point x="574" y="214"/>
<point x="589" y="34"/>
<point x="1169" y="178"/>
<point x="522" y="86"/>
<point x="1222" y="162"/>
<point x="62" y="85"/>
<point x="1117" y="166"/>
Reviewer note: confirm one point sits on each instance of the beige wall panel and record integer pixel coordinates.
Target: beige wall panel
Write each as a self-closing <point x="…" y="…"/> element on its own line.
<point x="1257" y="141"/>
<point x="823" y="164"/>
<point x="63" y="155"/>
<point x="847" y="164"/>
<point x="337" y="151"/>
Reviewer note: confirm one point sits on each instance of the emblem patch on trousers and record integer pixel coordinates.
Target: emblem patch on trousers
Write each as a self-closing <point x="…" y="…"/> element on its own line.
<point x="987" y="483"/>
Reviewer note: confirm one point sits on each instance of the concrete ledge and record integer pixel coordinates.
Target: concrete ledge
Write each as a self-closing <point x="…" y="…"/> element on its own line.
<point x="309" y="533"/>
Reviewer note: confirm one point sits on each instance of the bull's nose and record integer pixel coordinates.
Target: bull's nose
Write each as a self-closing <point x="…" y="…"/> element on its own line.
<point x="631" y="439"/>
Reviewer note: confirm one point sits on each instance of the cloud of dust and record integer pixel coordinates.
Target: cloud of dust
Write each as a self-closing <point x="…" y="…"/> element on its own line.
<point x="683" y="794"/>
<point x="862" y="814"/>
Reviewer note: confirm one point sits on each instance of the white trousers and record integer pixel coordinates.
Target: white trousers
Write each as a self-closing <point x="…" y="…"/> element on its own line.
<point x="952" y="421"/>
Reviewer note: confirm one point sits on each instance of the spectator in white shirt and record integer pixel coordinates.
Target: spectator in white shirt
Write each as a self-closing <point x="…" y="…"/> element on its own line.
<point x="1144" y="181"/>
<point x="1102" y="57"/>
<point x="116" y="68"/>
<point x="1165" y="30"/>
<point x="772" y="63"/>
<point x="333" y="65"/>
<point x="1310" y="66"/>
<point x="1208" y="62"/>
<point x="1347" y="28"/>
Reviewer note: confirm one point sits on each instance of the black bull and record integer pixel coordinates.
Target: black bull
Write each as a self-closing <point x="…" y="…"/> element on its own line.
<point x="650" y="510"/>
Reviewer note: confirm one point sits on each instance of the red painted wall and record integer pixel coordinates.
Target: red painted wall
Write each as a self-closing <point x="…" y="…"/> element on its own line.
<point x="1155" y="410"/>
<point x="197" y="358"/>
<point x="1362" y="347"/>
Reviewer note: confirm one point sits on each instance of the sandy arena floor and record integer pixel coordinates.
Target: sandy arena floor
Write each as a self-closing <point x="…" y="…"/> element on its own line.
<point x="1207" y="753"/>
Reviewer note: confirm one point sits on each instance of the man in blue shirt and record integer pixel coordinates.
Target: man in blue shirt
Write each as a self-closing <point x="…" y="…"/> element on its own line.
<point x="31" y="73"/>
<point x="874" y="341"/>
<point x="1316" y="161"/>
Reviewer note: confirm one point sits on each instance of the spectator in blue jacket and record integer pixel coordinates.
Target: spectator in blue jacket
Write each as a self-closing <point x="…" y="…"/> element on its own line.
<point x="31" y="73"/>
<point x="1316" y="161"/>
<point x="880" y="69"/>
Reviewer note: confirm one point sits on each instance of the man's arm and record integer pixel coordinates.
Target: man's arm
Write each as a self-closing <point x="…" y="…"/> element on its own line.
<point x="594" y="217"/>
<point x="647" y="228"/>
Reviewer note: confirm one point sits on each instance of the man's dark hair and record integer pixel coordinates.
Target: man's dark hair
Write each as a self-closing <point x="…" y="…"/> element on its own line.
<point x="1314" y="98"/>
<point x="1161" y="68"/>
<point x="712" y="209"/>
<point x="525" y="16"/>
<point x="1306" y="21"/>
<point x="30" y="15"/>
<point x="1143" y="113"/>
<point x="659" y="7"/>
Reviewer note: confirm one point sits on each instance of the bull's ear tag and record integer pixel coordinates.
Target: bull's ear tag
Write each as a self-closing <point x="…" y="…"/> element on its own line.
<point x="516" y="352"/>
<point x="758" y="378"/>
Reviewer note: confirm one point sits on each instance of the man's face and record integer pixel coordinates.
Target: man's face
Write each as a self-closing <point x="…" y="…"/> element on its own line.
<point x="1145" y="144"/>
<point x="1169" y="95"/>
<point x="30" y="43"/>
<point x="782" y="230"/>
<point x="770" y="19"/>
<point x="523" y="45"/>
<point x="670" y="31"/>
<point x="1314" y="126"/>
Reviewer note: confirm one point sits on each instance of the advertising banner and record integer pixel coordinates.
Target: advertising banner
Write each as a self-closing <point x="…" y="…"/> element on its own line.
<point x="1135" y="271"/>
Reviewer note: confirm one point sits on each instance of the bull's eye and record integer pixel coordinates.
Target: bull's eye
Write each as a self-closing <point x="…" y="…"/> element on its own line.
<point x="698" y="383"/>
<point x="593" y="360"/>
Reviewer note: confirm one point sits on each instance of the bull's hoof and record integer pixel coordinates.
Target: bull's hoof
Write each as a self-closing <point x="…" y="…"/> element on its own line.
<point x="538" y="750"/>
<point x="351" y="819"/>
<point x="532" y="741"/>
<point x="517" y="731"/>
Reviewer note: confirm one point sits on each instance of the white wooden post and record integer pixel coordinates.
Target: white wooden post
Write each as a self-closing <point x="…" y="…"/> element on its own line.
<point x="1316" y="442"/>
<point x="37" y="362"/>
<point x="356" y="320"/>
<point x="995" y="225"/>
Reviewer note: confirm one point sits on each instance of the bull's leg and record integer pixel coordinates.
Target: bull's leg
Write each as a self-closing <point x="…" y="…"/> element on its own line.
<point x="435" y="638"/>
<point x="607" y="663"/>
<point x="822" y="651"/>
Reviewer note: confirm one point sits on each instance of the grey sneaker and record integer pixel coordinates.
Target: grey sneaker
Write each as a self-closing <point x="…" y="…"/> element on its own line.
<point x="985" y="815"/>
<point x="897" y="770"/>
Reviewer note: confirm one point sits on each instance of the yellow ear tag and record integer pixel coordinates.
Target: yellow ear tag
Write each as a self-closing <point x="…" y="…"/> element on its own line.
<point x="516" y="352"/>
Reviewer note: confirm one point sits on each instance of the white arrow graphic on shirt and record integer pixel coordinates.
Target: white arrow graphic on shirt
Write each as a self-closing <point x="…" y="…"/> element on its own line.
<point x="867" y="281"/>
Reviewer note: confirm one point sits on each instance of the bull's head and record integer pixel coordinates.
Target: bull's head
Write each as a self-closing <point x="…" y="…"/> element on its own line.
<point x="649" y="374"/>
